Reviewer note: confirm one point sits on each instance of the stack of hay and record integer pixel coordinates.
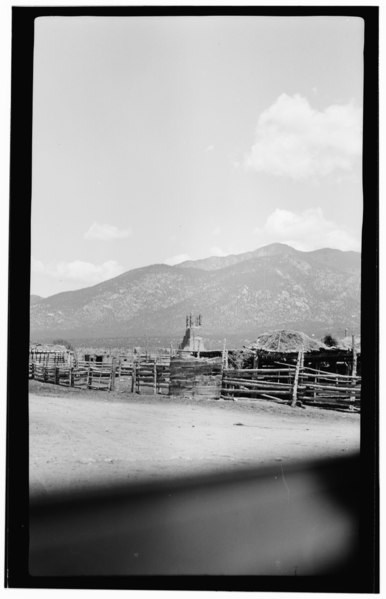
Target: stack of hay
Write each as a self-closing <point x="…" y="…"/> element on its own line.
<point x="285" y="341"/>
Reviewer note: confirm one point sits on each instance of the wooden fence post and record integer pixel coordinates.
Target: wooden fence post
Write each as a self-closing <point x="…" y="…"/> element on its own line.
<point x="354" y="366"/>
<point x="224" y="356"/>
<point x="155" y="377"/>
<point x="296" y="381"/>
<point x="134" y="377"/>
<point x="354" y="357"/>
<point x="112" y="375"/>
<point x="119" y="373"/>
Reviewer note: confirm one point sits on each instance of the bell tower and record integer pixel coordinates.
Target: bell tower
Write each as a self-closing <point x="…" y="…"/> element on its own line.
<point x="192" y="341"/>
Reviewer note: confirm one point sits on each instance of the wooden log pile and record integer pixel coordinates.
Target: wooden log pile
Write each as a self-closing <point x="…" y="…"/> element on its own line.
<point x="194" y="377"/>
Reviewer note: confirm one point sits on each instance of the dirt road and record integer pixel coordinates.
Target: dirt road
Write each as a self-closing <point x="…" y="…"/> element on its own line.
<point x="79" y="438"/>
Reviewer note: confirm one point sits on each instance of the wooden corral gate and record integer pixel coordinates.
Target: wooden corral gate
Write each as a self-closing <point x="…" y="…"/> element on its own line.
<point x="151" y="374"/>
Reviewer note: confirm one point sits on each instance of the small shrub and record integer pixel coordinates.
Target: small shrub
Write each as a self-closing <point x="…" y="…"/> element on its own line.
<point x="330" y="341"/>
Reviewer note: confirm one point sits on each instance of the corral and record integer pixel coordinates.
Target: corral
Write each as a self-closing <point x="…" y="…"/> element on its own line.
<point x="284" y="367"/>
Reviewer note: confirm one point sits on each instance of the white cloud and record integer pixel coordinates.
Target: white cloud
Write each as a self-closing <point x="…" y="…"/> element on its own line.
<point x="37" y="266"/>
<point x="177" y="259"/>
<point x="87" y="271"/>
<point x="305" y="231"/>
<point x="79" y="271"/>
<point x="217" y="251"/>
<point x="296" y="141"/>
<point x="106" y="232"/>
<point x="216" y="231"/>
<point x="209" y="148"/>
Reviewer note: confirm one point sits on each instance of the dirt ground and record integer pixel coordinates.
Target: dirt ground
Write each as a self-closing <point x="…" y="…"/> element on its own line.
<point x="82" y="438"/>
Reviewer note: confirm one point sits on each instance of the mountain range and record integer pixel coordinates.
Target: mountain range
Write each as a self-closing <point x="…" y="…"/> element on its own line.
<point x="272" y="287"/>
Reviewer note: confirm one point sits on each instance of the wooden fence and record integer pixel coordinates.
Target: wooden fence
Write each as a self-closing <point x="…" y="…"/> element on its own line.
<point x="82" y="376"/>
<point x="290" y="384"/>
<point x="329" y="390"/>
<point x="294" y="385"/>
<point x="196" y="378"/>
<point x="151" y="374"/>
<point x="268" y="383"/>
<point x="105" y="376"/>
<point x="49" y="357"/>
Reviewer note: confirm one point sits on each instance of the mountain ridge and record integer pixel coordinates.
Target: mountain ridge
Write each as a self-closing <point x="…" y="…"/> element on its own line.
<point x="274" y="286"/>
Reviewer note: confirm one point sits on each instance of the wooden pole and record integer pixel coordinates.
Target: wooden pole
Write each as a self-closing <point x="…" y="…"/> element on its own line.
<point x="119" y="372"/>
<point x="354" y="357"/>
<point x="133" y="377"/>
<point x="112" y="379"/>
<point x="354" y="365"/>
<point x="155" y="378"/>
<point x="296" y="381"/>
<point x="223" y="354"/>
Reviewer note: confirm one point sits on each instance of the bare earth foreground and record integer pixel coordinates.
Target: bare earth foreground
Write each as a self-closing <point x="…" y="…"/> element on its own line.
<point x="82" y="438"/>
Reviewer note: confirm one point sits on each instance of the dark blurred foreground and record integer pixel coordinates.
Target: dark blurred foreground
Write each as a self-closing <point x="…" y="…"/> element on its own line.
<point x="282" y="521"/>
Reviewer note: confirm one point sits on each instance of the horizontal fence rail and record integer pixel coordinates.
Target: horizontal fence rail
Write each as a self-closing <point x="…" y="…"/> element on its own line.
<point x="153" y="375"/>
<point x="106" y="376"/>
<point x="293" y="384"/>
<point x="266" y="383"/>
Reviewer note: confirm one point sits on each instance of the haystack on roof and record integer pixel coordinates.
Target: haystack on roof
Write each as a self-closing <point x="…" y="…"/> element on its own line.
<point x="285" y="341"/>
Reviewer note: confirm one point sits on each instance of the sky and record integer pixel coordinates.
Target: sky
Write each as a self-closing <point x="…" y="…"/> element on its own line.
<point x="158" y="140"/>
